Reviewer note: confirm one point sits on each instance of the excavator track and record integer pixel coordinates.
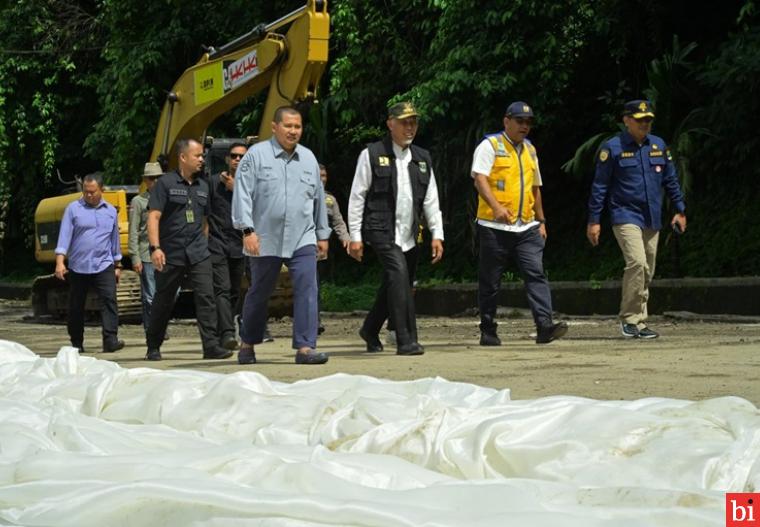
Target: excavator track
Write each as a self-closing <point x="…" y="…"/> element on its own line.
<point x="50" y="297"/>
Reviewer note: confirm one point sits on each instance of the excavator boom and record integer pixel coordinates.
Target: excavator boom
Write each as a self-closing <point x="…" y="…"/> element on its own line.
<point x="289" y="65"/>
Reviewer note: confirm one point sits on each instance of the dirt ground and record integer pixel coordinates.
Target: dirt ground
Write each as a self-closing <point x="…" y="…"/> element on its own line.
<point x="691" y="360"/>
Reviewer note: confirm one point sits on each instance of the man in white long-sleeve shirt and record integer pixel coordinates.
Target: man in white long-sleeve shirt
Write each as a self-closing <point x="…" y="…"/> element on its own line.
<point x="393" y="188"/>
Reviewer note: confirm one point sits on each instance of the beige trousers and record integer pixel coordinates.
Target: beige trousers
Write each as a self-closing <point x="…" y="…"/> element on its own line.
<point x="639" y="248"/>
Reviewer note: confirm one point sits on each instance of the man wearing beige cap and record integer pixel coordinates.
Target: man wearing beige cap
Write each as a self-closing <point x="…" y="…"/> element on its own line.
<point x="394" y="189"/>
<point x="138" y="240"/>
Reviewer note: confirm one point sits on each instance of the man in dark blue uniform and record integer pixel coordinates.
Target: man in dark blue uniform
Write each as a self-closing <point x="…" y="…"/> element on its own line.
<point x="178" y="237"/>
<point x="631" y="170"/>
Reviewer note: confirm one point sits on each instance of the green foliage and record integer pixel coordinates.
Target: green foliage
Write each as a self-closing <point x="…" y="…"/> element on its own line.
<point x="345" y="298"/>
<point x="84" y="82"/>
<point x="41" y="83"/>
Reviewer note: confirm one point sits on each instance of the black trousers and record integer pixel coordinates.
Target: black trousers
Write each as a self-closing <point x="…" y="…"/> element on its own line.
<point x="394" y="298"/>
<point x="227" y="276"/>
<point x="104" y="283"/>
<point x="168" y="283"/>
<point x="527" y="249"/>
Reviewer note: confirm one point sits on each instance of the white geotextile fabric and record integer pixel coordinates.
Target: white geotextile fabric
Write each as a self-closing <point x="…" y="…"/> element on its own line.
<point x="87" y="442"/>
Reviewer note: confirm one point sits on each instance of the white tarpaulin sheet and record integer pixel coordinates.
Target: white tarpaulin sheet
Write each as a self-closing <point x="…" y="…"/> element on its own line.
<point x="87" y="442"/>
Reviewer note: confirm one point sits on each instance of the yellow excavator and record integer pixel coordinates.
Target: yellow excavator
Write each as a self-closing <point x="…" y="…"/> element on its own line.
<point x="289" y="64"/>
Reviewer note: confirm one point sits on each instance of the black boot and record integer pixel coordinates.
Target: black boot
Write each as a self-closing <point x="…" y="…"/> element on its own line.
<point x="488" y="336"/>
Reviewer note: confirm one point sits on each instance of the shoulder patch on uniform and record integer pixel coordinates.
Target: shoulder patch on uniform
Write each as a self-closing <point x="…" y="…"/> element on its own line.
<point x="329" y="200"/>
<point x="383" y="161"/>
<point x="627" y="154"/>
<point x="668" y="154"/>
<point x="604" y="155"/>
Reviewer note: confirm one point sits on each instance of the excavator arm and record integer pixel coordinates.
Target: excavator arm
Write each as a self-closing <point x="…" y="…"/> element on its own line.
<point x="289" y="65"/>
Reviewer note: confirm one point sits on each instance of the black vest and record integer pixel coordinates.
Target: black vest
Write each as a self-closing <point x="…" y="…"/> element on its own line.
<point x="379" y="219"/>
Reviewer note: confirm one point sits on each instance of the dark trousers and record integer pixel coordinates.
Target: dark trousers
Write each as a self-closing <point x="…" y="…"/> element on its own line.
<point x="104" y="284"/>
<point x="227" y="275"/>
<point x="168" y="283"/>
<point x="527" y="249"/>
<point x="265" y="270"/>
<point x="394" y="299"/>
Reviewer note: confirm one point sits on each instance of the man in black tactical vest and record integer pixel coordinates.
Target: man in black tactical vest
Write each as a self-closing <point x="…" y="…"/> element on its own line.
<point x="394" y="188"/>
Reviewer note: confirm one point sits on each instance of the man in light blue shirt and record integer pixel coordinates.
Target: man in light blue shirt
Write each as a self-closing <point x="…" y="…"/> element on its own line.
<point x="279" y="204"/>
<point x="89" y="239"/>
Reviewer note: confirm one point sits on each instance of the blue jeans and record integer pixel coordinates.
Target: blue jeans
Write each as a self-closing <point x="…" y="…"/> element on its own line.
<point x="148" y="290"/>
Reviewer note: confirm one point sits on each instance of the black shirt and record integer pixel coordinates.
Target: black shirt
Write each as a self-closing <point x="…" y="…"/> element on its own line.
<point x="223" y="238"/>
<point x="183" y="206"/>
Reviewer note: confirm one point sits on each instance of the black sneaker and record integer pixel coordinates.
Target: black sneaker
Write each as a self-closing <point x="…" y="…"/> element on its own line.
<point x="413" y="348"/>
<point x="230" y="342"/>
<point x="217" y="353"/>
<point x="115" y="346"/>
<point x="646" y="333"/>
<point x="630" y="331"/>
<point x="153" y="354"/>
<point x="549" y="333"/>
<point x="373" y="341"/>
<point x="489" y="339"/>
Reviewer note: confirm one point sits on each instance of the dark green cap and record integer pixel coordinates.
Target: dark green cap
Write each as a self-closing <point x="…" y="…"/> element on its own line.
<point x="402" y="110"/>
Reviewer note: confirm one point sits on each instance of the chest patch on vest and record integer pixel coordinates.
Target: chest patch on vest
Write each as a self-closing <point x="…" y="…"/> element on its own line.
<point x="627" y="154"/>
<point x="423" y="166"/>
<point x="383" y="161"/>
<point x="177" y="192"/>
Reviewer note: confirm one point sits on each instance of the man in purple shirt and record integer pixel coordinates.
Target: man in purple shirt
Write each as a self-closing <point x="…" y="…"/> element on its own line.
<point x="89" y="239"/>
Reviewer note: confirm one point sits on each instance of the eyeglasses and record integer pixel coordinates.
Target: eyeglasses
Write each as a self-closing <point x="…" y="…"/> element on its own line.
<point x="236" y="156"/>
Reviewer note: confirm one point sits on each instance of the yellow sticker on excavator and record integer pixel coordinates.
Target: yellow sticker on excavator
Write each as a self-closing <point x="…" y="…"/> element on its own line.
<point x="208" y="83"/>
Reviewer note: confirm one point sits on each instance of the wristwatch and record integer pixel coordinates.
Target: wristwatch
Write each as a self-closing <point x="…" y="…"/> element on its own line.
<point x="543" y="220"/>
<point x="152" y="248"/>
<point x="247" y="231"/>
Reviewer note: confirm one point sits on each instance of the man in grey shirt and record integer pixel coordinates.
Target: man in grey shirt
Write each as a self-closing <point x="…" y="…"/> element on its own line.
<point x="138" y="240"/>
<point x="279" y="204"/>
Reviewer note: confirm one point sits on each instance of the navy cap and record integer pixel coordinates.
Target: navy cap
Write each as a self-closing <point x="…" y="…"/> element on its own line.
<point x="519" y="109"/>
<point x="638" y="109"/>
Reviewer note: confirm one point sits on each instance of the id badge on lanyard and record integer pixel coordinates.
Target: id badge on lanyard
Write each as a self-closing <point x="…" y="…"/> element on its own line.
<point x="189" y="216"/>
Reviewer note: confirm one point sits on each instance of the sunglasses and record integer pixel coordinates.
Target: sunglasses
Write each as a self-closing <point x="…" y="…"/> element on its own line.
<point x="236" y="156"/>
<point x="644" y="119"/>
